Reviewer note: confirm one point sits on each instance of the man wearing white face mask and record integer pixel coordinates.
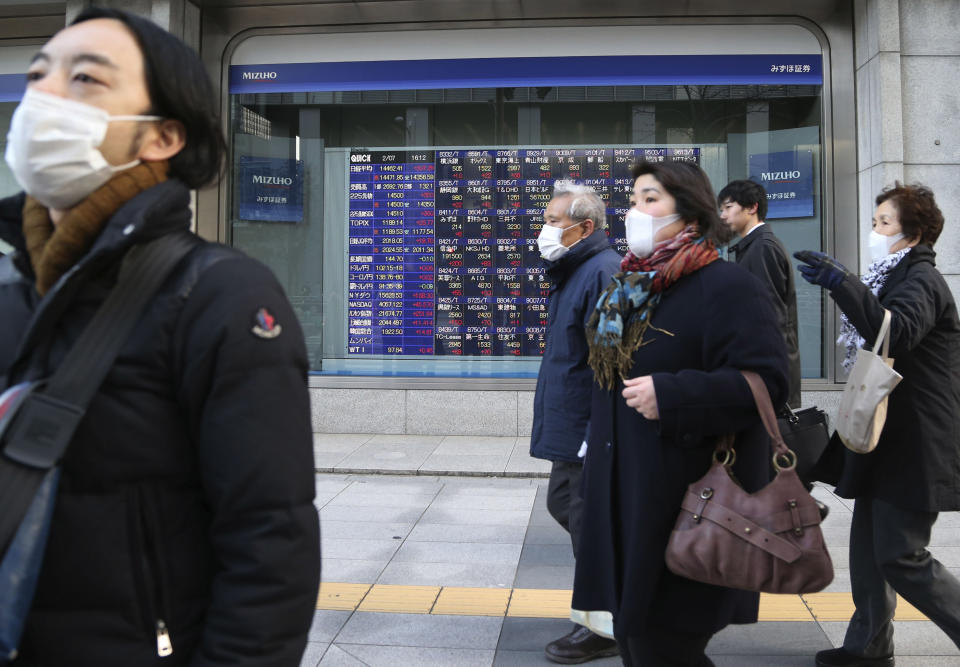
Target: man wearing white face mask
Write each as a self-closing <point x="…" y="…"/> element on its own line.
<point x="184" y="530"/>
<point x="579" y="262"/>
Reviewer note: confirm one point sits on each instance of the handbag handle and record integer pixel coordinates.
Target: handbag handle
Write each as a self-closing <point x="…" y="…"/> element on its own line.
<point x="769" y="418"/>
<point x="883" y="336"/>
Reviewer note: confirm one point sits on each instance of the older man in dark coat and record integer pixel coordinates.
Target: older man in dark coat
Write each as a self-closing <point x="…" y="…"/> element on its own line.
<point x="579" y="263"/>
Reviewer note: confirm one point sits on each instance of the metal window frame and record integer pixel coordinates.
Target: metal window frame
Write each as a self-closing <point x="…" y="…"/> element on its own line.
<point x="224" y="28"/>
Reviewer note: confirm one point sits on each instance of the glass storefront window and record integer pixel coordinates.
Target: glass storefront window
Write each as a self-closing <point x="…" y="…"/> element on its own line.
<point x="401" y="218"/>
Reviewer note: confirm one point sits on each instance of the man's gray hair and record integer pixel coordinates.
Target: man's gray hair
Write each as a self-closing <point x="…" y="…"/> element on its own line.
<point x="584" y="203"/>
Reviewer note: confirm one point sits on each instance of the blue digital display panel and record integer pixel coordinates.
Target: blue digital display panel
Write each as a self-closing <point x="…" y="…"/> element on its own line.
<point x="442" y="253"/>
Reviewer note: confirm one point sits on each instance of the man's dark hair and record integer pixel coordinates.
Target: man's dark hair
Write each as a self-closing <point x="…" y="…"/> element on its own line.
<point x="179" y="89"/>
<point x="920" y="217"/>
<point x="689" y="185"/>
<point x="746" y="193"/>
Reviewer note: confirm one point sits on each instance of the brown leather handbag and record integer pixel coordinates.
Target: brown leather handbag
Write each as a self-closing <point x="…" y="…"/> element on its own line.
<point x="769" y="541"/>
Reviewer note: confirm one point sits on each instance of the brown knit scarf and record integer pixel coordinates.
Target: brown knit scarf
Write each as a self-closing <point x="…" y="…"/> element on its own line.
<point x="53" y="249"/>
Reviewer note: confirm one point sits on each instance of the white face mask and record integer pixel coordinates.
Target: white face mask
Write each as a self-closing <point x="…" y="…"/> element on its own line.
<point x="880" y="245"/>
<point x="52" y="148"/>
<point x="548" y="241"/>
<point x="642" y="228"/>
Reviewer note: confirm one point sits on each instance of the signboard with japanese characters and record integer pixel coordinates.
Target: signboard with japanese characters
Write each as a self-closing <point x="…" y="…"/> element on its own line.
<point x="787" y="177"/>
<point x="269" y="189"/>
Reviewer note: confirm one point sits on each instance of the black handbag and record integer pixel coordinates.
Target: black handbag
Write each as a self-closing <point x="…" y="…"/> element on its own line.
<point x="38" y="419"/>
<point x="806" y="434"/>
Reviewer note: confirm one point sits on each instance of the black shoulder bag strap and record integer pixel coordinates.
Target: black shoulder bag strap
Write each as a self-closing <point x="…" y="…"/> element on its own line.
<point x="45" y="422"/>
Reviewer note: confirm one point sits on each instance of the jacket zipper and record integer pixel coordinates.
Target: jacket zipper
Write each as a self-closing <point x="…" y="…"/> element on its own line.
<point x="150" y="565"/>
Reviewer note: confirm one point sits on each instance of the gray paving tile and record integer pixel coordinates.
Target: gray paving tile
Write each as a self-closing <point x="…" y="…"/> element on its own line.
<point x="492" y="486"/>
<point x="392" y="656"/>
<point x="326" y="624"/>
<point x="539" y="516"/>
<point x="484" y="575"/>
<point x="337" y="657"/>
<point x="526" y="658"/>
<point x="547" y="554"/>
<point x="522" y="462"/>
<point x="465" y="463"/>
<point x="327" y="461"/>
<point x="544" y="576"/>
<point x="478" y="502"/>
<point x="313" y="653"/>
<point x="392" y="456"/>
<point x="365" y="498"/>
<point x="554" y="534"/>
<point x="385" y="484"/>
<point x="342" y="570"/>
<point x="769" y="638"/>
<point x="406" y="440"/>
<point x="327" y="447"/>
<point x="476" y="517"/>
<point x="438" y="631"/>
<point x="927" y="661"/>
<point x="762" y="660"/>
<point x="453" y="552"/>
<point x="841" y="579"/>
<point x="918" y="638"/>
<point x="531" y="634"/>
<point x="333" y="547"/>
<point x="378" y="514"/>
<point x="363" y="530"/>
<point x="475" y="445"/>
<point x="445" y="532"/>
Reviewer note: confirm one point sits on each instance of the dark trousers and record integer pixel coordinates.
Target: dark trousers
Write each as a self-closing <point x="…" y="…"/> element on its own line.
<point x="563" y="498"/>
<point x="888" y="555"/>
<point x="660" y="647"/>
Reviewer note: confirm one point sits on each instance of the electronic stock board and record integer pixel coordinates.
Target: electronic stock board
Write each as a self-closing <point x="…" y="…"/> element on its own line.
<point x="442" y="256"/>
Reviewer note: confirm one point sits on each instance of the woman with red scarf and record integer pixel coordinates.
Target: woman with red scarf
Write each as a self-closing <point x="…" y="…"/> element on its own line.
<point x="668" y="340"/>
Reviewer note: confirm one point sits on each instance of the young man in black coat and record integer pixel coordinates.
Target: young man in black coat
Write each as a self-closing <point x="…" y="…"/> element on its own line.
<point x="743" y="206"/>
<point x="579" y="263"/>
<point x="184" y="530"/>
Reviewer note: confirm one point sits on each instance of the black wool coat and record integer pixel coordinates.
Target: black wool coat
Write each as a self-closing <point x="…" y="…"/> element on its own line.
<point x="720" y="321"/>
<point x="761" y="253"/>
<point x="916" y="464"/>
<point x="186" y="493"/>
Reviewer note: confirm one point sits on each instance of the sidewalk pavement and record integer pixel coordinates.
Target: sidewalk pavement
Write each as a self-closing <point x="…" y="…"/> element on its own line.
<point x="450" y="559"/>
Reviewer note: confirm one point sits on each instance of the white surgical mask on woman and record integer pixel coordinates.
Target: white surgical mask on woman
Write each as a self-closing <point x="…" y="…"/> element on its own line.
<point x="550" y="245"/>
<point x="641" y="230"/>
<point x="52" y="148"/>
<point x="880" y="245"/>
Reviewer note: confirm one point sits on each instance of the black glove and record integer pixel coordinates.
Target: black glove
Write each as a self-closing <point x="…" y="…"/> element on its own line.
<point x="821" y="269"/>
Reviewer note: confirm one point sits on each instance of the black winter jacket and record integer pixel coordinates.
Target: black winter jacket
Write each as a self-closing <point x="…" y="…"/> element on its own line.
<point x="761" y="253"/>
<point x="561" y="404"/>
<point x="186" y="493"/>
<point x="916" y="464"/>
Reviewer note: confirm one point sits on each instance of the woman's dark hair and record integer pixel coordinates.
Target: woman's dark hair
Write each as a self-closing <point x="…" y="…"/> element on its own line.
<point x="746" y="194"/>
<point x="179" y="89"/>
<point x="920" y="217"/>
<point x="689" y="186"/>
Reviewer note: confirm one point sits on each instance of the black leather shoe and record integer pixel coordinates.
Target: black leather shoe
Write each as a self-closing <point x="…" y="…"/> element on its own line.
<point x="838" y="657"/>
<point x="824" y="510"/>
<point x="581" y="645"/>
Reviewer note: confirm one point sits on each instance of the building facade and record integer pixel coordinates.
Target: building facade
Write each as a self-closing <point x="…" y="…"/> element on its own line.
<point x="390" y="159"/>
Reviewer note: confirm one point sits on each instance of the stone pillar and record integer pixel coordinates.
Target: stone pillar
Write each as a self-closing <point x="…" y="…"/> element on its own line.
<point x="929" y="69"/>
<point x="879" y="106"/>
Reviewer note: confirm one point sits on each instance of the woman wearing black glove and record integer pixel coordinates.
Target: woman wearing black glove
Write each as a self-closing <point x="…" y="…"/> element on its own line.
<point x="912" y="474"/>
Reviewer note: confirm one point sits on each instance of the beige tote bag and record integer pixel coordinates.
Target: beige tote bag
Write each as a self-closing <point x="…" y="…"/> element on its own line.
<point x="863" y="406"/>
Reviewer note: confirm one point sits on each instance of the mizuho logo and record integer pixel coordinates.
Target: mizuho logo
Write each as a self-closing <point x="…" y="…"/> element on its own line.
<point x="778" y="175"/>
<point x="259" y="76"/>
<point x="272" y="180"/>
